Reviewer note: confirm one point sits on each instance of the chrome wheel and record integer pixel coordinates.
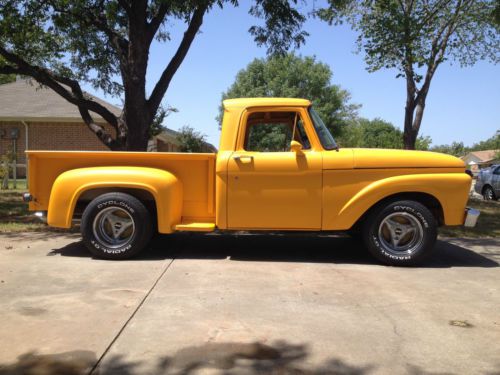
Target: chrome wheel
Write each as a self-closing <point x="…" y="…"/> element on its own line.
<point x="400" y="233"/>
<point x="113" y="227"/>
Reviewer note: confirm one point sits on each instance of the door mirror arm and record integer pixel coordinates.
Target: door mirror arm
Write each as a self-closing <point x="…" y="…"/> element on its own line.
<point x="296" y="147"/>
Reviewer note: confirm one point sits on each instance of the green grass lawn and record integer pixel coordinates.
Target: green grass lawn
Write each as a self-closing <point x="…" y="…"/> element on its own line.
<point x="488" y="224"/>
<point x="15" y="217"/>
<point x="14" y="214"/>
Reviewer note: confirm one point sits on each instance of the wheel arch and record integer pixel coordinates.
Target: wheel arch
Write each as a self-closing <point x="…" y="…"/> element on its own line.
<point x="445" y="194"/>
<point x="426" y="199"/>
<point x="75" y="187"/>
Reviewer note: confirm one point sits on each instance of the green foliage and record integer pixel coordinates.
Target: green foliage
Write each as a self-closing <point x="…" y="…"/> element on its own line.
<point x="282" y="27"/>
<point x="492" y="143"/>
<point x="157" y="125"/>
<point x="415" y="37"/>
<point x="376" y="133"/>
<point x="191" y="140"/>
<point x="6" y="160"/>
<point x="6" y="78"/>
<point x="72" y="38"/>
<point x="269" y="138"/>
<point x="458" y="148"/>
<point x="106" y="43"/>
<point x="455" y="149"/>
<point x="496" y="13"/>
<point x="292" y="76"/>
<point x="394" y="34"/>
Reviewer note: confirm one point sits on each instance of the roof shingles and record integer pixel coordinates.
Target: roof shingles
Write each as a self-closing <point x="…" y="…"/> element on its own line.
<point x="26" y="100"/>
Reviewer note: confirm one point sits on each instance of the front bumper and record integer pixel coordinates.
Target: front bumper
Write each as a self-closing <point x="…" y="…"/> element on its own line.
<point x="471" y="216"/>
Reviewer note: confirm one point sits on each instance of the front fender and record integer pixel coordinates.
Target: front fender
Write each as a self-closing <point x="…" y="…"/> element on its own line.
<point x="450" y="189"/>
<point x="165" y="188"/>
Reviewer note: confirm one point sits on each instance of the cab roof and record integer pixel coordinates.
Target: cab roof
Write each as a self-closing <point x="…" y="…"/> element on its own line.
<point x="264" y="102"/>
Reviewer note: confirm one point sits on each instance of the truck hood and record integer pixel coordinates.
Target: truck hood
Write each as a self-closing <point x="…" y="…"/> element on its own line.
<point x="376" y="158"/>
<point x="361" y="158"/>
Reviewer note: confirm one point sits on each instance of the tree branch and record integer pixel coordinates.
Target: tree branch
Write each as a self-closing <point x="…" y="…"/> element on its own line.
<point x="438" y="51"/>
<point x="100" y="22"/>
<point x="157" y="20"/>
<point x="126" y="6"/>
<point x="167" y="75"/>
<point x="75" y="96"/>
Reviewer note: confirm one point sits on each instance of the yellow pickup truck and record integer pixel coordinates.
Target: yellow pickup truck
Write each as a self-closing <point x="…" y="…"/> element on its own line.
<point x="278" y="169"/>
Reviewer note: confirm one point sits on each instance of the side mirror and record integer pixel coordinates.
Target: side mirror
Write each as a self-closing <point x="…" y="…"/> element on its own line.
<point x="296" y="147"/>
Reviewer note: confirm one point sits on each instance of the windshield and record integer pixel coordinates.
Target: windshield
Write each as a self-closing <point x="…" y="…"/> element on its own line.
<point x="324" y="134"/>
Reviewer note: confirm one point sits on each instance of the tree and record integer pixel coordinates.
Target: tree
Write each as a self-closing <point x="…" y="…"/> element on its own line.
<point x="492" y="143"/>
<point x="455" y="149"/>
<point x="62" y="44"/>
<point x="292" y="76"/>
<point x="377" y="133"/>
<point x="416" y="37"/>
<point x="191" y="140"/>
<point x="6" y="78"/>
<point x="157" y="125"/>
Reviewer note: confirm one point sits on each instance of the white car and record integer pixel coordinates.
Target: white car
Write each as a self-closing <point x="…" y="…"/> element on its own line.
<point x="488" y="183"/>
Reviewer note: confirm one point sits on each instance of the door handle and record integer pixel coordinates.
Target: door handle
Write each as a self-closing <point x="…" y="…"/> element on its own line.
<point x="243" y="157"/>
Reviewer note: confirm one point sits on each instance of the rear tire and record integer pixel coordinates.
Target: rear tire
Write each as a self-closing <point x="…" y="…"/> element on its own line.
<point x="116" y="226"/>
<point x="400" y="233"/>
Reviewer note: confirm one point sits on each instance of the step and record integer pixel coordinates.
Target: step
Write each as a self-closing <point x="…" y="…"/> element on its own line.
<point x="195" y="227"/>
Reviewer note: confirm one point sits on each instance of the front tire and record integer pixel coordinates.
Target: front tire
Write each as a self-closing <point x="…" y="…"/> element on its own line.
<point x="116" y="226"/>
<point x="400" y="233"/>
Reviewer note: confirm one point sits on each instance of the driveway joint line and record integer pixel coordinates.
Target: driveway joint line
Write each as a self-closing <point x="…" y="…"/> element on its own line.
<point x="141" y="303"/>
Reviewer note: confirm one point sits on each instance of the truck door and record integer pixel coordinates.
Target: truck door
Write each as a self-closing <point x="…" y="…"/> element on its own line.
<point x="269" y="185"/>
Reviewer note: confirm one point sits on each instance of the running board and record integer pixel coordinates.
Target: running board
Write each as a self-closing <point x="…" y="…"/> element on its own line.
<point x="195" y="227"/>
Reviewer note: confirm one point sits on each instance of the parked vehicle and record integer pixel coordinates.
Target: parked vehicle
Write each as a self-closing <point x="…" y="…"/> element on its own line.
<point x="488" y="183"/>
<point x="278" y="168"/>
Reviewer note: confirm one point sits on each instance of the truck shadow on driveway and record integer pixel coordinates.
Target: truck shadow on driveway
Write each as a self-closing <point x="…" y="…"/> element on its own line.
<point x="278" y="247"/>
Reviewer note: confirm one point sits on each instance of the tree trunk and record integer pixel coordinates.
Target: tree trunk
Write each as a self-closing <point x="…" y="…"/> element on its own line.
<point x="414" y="113"/>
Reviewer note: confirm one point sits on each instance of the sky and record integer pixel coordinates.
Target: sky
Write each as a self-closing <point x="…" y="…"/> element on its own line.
<point x="463" y="103"/>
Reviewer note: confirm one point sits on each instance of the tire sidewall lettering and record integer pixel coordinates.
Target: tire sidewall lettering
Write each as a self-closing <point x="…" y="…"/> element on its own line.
<point x="111" y="203"/>
<point x="417" y="214"/>
<point x="106" y="250"/>
<point x="116" y="203"/>
<point x="376" y="242"/>
<point x="422" y="216"/>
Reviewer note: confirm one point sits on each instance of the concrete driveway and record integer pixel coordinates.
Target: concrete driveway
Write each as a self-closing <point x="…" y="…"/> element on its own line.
<point x="246" y="304"/>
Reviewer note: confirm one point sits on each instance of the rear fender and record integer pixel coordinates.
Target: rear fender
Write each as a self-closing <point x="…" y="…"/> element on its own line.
<point x="165" y="188"/>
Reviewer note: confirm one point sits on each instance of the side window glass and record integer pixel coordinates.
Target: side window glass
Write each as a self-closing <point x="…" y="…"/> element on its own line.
<point x="273" y="131"/>
<point x="497" y="171"/>
<point x="301" y="135"/>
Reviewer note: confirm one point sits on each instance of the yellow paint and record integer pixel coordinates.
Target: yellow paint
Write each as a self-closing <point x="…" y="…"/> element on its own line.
<point x="196" y="227"/>
<point x="312" y="189"/>
<point x="347" y="194"/>
<point x="165" y="188"/>
<point x="194" y="171"/>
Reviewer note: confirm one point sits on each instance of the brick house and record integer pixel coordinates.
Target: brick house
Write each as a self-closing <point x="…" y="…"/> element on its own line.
<point x="36" y="118"/>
